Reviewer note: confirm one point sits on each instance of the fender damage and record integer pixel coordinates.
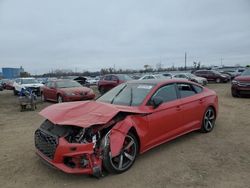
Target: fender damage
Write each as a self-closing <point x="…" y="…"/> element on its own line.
<point x="75" y="155"/>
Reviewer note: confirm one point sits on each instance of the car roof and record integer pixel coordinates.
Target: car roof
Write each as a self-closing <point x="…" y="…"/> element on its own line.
<point x="157" y="81"/>
<point x="26" y="78"/>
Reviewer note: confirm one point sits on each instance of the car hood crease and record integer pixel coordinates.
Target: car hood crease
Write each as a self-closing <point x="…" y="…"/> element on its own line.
<point x="84" y="114"/>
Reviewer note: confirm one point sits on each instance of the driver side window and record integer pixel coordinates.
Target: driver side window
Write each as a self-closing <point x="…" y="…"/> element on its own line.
<point x="167" y="93"/>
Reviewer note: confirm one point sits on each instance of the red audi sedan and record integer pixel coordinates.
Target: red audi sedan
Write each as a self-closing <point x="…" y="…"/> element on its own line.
<point x="88" y="137"/>
<point x="65" y="91"/>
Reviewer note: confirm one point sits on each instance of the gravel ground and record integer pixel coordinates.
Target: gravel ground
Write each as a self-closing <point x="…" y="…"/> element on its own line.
<point x="218" y="159"/>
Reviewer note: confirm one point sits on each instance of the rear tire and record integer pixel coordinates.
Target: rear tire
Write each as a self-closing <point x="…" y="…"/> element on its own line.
<point x="43" y="99"/>
<point x="125" y="159"/>
<point x="15" y="92"/>
<point x="102" y="90"/>
<point x="208" y="121"/>
<point x="218" y="80"/>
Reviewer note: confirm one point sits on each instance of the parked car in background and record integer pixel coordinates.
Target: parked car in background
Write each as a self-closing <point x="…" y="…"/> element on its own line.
<point x="27" y="83"/>
<point x="1" y="85"/>
<point x="109" y="81"/>
<point x="7" y="84"/>
<point x="152" y="76"/>
<point x="229" y="73"/>
<point x="109" y="133"/>
<point x="167" y="74"/>
<point x="233" y="72"/>
<point x="212" y="75"/>
<point x="82" y="80"/>
<point x="239" y="71"/>
<point x="241" y="84"/>
<point x="93" y="81"/>
<point x="65" y="91"/>
<point x="191" y="77"/>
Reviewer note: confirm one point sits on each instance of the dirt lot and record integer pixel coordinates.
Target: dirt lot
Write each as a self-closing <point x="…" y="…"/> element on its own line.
<point x="218" y="159"/>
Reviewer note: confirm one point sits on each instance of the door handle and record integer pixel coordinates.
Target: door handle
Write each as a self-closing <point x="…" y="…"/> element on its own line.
<point x="201" y="101"/>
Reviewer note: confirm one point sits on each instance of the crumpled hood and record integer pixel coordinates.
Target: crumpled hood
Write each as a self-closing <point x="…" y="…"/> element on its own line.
<point x="85" y="113"/>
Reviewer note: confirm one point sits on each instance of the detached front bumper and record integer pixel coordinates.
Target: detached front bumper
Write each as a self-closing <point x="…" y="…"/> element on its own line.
<point x="68" y="157"/>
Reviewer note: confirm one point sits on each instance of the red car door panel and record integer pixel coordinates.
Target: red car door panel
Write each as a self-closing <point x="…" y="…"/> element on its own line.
<point x="192" y="110"/>
<point x="192" y="105"/>
<point x="163" y="122"/>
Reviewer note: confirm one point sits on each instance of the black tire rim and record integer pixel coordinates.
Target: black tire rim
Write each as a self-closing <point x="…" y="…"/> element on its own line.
<point x="209" y="119"/>
<point x="127" y="155"/>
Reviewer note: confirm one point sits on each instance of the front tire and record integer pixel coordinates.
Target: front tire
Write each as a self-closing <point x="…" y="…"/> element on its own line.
<point x="234" y="93"/>
<point x="208" y="122"/>
<point x="125" y="159"/>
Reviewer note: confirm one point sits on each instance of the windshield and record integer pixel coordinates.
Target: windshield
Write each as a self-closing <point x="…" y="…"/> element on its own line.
<point x="246" y="73"/>
<point x="29" y="81"/>
<point x="68" y="84"/>
<point x="190" y="75"/>
<point x="124" y="77"/>
<point x="216" y="72"/>
<point x="127" y="94"/>
<point x="159" y="76"/>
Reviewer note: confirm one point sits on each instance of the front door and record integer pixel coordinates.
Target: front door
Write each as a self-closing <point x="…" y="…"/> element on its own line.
<point x="165" y="120"/>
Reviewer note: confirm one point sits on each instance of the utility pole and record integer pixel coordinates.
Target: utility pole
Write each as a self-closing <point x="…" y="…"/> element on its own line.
<point x="185" y="60"/>
<point x="221" y="62"/>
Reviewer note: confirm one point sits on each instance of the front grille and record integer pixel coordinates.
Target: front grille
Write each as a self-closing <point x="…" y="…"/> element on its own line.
<point x="46" y="143"/>
<point x="244" y="84"/>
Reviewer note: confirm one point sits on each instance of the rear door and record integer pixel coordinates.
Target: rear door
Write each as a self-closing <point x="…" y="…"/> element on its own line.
<point x="192" y="105"/>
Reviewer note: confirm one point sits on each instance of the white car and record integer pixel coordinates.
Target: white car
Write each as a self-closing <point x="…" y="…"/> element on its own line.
<point x="93" y="81"/>
<point x="191" y="77"/>
<point x="153" y="76"/>
<point x="27" y="83"/>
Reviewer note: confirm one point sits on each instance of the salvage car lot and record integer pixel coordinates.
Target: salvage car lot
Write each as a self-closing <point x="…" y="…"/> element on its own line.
<point x="218" y="159"/>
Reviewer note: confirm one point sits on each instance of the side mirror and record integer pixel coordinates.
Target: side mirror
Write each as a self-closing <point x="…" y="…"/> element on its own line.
<point x="156" y="101"/>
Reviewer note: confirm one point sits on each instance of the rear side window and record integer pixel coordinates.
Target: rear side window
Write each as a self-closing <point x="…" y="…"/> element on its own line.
<point x="109" y="77"/>
<point x="198" y="89"/>
<point x="167" y="93"/>
<point x="114" y="78"/>
<point x="185" y="90"/>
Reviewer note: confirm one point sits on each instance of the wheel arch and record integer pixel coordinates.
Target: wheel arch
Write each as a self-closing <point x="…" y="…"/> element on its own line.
<point x="134" y="132"/>
<point x="118" y="134"/>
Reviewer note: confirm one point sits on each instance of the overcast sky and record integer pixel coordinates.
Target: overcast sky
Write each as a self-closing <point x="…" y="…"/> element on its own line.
<point x="89" y="35"/>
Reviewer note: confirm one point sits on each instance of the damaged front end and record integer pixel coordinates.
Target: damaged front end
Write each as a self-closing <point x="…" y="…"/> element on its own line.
<point x="71" y="149"/>
<point x="74" y="149"/>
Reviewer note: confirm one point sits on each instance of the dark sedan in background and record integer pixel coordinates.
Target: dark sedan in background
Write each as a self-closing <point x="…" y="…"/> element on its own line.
<point x="109" y="81"/>
<point x="212" y="75"/>
<point x="241" y="84"/>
